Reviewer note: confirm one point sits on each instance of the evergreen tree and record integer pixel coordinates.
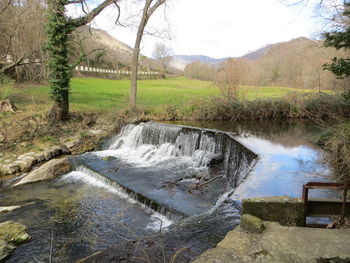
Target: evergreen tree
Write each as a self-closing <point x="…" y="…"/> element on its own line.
<point x="340" y="39"/>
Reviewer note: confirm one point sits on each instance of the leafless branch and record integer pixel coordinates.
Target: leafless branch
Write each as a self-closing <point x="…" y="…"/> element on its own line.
<point x="7" y="4"/>
<point x="80" y="21"/>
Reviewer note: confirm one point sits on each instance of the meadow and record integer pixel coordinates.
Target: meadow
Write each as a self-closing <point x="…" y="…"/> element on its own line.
<point x="105" y="94"/>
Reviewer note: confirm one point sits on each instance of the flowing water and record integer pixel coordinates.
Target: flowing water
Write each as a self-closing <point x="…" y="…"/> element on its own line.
<point x="144" y="179"/>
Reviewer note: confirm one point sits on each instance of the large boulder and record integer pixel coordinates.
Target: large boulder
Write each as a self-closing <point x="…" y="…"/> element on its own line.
<point x="48" y="171"/>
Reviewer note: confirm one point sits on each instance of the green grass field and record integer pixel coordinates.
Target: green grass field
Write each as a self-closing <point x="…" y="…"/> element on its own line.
<point x="105" y="94"/>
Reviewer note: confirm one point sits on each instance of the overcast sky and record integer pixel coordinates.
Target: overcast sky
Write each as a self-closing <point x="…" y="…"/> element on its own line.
<point x="221" y="28"/>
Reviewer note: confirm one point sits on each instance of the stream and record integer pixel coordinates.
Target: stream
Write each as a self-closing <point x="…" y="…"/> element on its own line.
<point x="138" y="186"/>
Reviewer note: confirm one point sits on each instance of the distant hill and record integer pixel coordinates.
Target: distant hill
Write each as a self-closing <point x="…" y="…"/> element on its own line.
<point x="110" y="52"/>
<point x="254" y="55"/>
<point x="180" y="61"/>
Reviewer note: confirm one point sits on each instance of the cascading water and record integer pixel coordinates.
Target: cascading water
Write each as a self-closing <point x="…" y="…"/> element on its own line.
<point x="173" y="169"/>
<point x="147" y="144"/>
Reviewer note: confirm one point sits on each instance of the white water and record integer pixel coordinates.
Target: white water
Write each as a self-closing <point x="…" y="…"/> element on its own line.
<point x="129" y="147"/>
<point x="84" y="175"/>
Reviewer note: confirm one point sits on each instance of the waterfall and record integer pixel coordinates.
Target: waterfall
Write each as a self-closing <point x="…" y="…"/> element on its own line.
<point x="151" y="143"/>
<point x="160" y="165"/>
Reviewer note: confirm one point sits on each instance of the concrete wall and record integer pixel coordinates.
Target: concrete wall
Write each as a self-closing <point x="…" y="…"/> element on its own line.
<point x="282" y="209"/>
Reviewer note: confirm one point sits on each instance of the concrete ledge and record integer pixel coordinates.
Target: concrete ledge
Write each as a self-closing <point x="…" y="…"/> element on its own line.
<point x="282" y="209"/>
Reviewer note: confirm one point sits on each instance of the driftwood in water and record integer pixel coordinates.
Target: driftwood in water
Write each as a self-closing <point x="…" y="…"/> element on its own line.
<point x="7" y="106"/>
<point x="205" y="183"/>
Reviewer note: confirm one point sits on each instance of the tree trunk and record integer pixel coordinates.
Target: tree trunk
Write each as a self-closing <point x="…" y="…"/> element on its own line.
<point x="135" y="55"/>
<point x="148" y="10"/>
<point x="60" y="110"/>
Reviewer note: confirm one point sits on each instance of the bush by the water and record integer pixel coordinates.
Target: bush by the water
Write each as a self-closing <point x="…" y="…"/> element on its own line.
<point x="319" y="105"/>
<point x="338" y="143"/>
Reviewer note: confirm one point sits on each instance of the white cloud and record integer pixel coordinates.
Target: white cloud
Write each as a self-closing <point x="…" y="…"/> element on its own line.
<point x="219" y="29"/>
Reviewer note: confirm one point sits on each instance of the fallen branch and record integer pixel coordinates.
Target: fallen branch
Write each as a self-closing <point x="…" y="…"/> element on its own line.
<point x="175" y="183"/>
<point x="205" y="183"/>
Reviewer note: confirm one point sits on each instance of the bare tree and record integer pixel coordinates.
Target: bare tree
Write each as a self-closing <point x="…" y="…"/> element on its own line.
<point x="231" y="74"/>
<point x="22" y="38"/>
<point x="162" y="53"/>
<point x="148" y="10"/>
<point x="199" y="70"/>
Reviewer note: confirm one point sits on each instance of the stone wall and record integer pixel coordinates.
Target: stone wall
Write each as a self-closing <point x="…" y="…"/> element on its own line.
<point x="282" y="209"/>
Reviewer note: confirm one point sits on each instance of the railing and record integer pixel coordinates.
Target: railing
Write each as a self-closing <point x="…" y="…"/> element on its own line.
<point x="325" y="207"/>
<point x="111" y="71"/>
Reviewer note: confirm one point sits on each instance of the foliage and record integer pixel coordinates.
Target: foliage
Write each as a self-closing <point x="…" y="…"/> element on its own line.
<point x="5" y="86"/>
<point x="230" y="74"/>
<point x="338" y="143"/>
<point x="340" y="39"/>
<point x="58" y="31"/>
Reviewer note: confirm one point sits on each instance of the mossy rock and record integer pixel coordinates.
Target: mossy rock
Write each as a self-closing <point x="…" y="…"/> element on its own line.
<point x="13" y="233"/>
<point x="252" y="224"/>
<point x="6" y="250"/>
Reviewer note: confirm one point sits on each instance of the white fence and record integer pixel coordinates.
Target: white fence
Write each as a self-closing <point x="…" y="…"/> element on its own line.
<point x="111" y="71"/>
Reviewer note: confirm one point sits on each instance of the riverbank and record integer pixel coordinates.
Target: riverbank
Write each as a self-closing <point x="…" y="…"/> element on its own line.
<point x="28" y="139"/>
<point x="281" y="244"/>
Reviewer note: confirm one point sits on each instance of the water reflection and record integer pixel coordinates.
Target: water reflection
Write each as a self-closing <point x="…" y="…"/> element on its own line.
<point x="287" y="158"/>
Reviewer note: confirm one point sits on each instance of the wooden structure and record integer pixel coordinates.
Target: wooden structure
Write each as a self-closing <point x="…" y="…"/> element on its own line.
<point x="325" y="207"/>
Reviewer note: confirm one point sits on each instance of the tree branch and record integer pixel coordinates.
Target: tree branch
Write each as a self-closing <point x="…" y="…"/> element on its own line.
<point x="151" y="10"/>
<point x="80" y="21"/>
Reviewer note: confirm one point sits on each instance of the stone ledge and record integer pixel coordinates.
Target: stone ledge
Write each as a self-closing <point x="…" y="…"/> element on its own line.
<point x="25" y="162"/>
<point x="282" y="209"/>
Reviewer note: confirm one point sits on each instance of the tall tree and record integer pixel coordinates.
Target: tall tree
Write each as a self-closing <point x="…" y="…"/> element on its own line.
<point x="59" y="29"/>
<point x="148" y="10"/>
<point x="163" y="54"/>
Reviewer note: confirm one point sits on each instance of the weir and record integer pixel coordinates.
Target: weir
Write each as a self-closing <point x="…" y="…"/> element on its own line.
<point x="177" y="171"/>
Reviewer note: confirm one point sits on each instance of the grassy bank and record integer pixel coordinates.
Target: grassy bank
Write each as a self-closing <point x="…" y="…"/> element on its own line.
<point x="336" y="140"/>
<point x="104" y="94"/>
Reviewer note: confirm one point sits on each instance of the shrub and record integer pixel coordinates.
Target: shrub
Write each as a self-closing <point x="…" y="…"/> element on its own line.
<point x="338" y="143"/>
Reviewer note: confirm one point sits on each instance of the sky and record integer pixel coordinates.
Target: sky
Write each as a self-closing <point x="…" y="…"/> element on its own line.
<point x="221" y="28"/>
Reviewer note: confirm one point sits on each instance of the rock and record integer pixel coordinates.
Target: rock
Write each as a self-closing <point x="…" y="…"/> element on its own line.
<point x="2" y="138"/>
<point x="40" y="157"/>
<point x="64" y="150"/>
<point x="47" y="155"/>
<point x="252" y="224"/>
<point x="108" y="158"/>
<point x="216" y="159"/>
<point x="7" y="106"/>
<point x="25" y="164"/>
<point x="10" y="169"/>
<point x="48" y="171"/>
<point x="4" y="209"/>
<point x="6" y="250"/>
<point x="13" y="233"/>
<point x="282" y="209"/>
